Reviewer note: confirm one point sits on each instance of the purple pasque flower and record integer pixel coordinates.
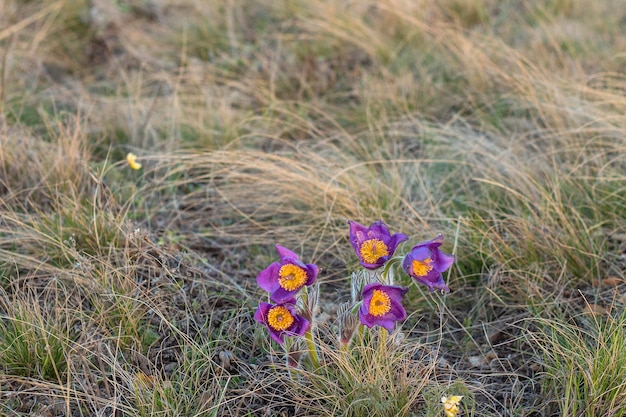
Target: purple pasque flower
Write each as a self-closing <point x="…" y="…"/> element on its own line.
<point x="382" y="305"/>
<point x="285" y="278"/>
<point x="426" y="262"/>
<point x="374" y="245"/>
<point x="282" y="320"/>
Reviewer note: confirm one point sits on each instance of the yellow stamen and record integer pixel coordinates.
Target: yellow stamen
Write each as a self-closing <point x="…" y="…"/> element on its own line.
<point x="279" y="318"/>
<point x="422" y="268"/>
<point x="380" y="303"/>
<point x="131" y="158"/>
<point x="372" y="250"/>
<point x="291" y="277"/>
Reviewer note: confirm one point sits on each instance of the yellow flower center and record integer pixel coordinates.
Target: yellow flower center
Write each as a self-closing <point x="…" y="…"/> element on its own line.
<point x="380" y="303"/>
<point x="291" y="277"/>
<point x="372" y="250"/>
<point x="422" y="268"/>
<point x="279" y="318"/>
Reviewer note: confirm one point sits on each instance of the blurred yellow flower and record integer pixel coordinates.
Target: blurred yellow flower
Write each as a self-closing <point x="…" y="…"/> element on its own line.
<point x="131" y="158"/>
<point x="451" y="405"/>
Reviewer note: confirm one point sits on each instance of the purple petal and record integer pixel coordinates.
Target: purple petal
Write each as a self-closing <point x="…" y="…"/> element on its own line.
<point x="395" y="240"/>
<point x="261" y="312"/>
<point x="300" y="326"/>
<point x="433" y="243"/>
<point x="378" y="264"/>
<point x="433" y="280"/>
<point x="278" y="336"/>
<point x="441" y="285"/>
<point x="397" y="311"/>
<point x="388" y="324"/>
<point x="286" y="255"/>
<point x="395" y="293"/>
<point x="366" y="318"/>
<point x="417" y="253"/>
<point x="442" y="261"/>
<point x="268" y="278"/>
<point x="420" y="253"/>
<point x="368" y="291"/>
<point x="311" y="272"/>
<point x="379" y="230"/>
<point x="282" y="296"/>
<point x="358" y="234"/>
<point x="386" y="321"/>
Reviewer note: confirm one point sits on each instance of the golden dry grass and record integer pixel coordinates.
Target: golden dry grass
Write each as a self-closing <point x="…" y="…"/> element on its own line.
<point x="499" y="124"/>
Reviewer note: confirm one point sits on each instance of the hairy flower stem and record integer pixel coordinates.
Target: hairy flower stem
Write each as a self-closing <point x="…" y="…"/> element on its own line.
<point x="387" y="278"/>
<point x="383" y="340"/>
<point x="361" y="332"/>
<point x="310" y="341"/>
<point x="312" y="348"/>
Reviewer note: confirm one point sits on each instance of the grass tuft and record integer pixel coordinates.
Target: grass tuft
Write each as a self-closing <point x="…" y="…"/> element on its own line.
<point x="585" y="364"/>
<point x="35" y="340"/>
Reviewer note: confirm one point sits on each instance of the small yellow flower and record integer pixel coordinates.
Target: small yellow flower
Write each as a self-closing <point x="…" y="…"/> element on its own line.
<point x="131" y="158"/>
<point x="451" y="405"/>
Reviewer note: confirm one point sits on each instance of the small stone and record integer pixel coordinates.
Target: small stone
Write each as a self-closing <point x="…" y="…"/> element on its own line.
<point x="496" y="336"/>
<point x="169" y="368"/>
<point x="612" y="281"/>
<point x="476" y="361"/>
<point x="225" y="357"/>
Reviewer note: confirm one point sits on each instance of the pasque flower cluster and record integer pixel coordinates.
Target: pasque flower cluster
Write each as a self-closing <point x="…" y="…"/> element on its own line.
<point x="283" y="280"/>
<point x="377" y="299"/>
